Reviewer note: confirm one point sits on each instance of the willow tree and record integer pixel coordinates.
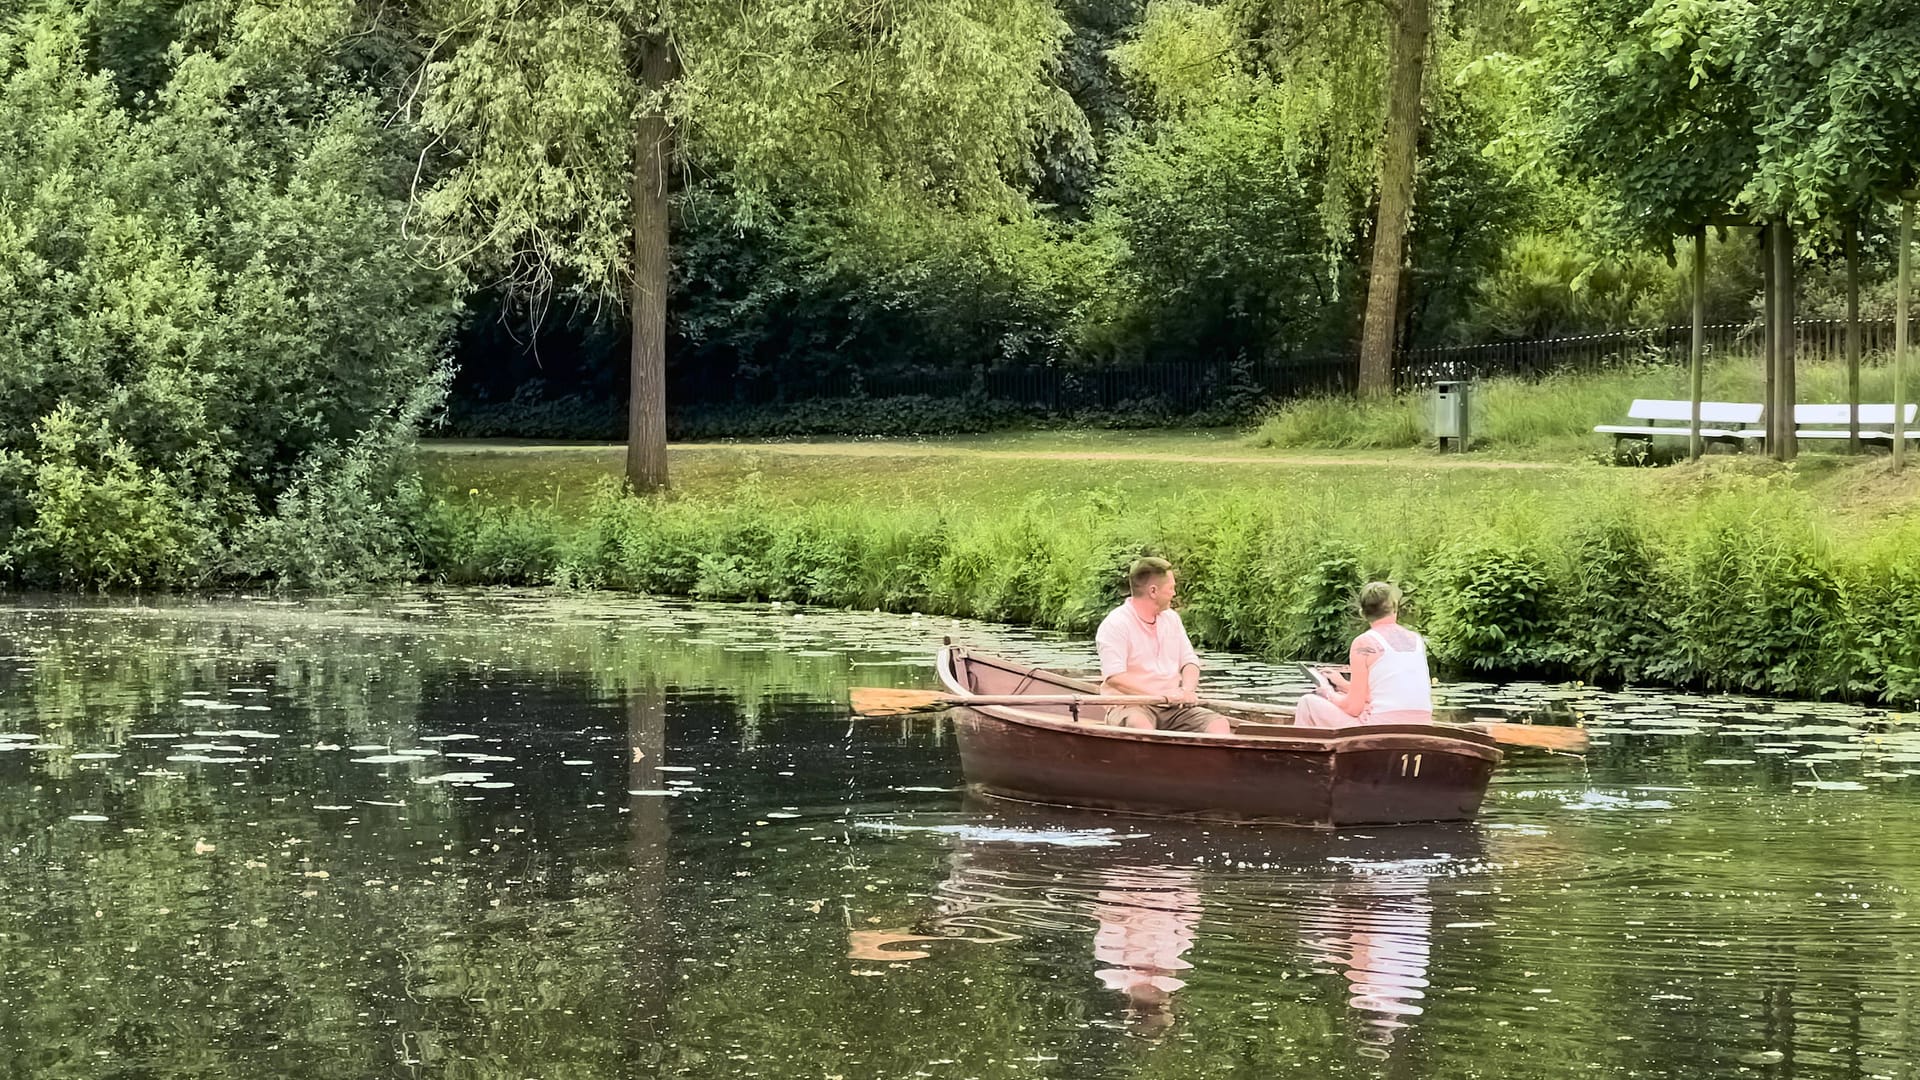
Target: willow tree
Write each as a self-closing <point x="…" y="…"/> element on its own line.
<point x="566" y="123"/>
<point x="1410" y="22"/>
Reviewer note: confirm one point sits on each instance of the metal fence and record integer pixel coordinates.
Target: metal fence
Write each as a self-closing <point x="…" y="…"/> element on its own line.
<point x="1814" y="340"/>
<point x="1204" y="383"/>
<point x="1189" y="385"/>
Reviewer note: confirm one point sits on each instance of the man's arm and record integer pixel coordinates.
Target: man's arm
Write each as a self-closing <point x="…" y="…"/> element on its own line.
<point x="1135" y="682"/>
<point x="1189" y="691"/>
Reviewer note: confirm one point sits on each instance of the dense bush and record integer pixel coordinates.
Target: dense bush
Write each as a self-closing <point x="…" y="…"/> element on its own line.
<point x="1700" y="589"/>
<point x="907" y="415"/>
<point x="210" y="323"/>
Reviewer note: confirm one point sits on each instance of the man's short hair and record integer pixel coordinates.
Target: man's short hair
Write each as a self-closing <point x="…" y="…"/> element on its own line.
<point x="1145" y="573"/>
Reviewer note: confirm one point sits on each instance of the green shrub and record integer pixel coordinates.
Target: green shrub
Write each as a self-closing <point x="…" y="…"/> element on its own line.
<point x="1495" y="608"/>
<point x="1615" y="624"/>
<point x="98" y="518"/>
<point x="1345" y="423"/>
<point x="1730" y="584"/>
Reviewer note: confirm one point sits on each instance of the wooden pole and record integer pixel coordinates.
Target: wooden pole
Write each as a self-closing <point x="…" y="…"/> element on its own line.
<point x="1902" y="298"/>
<point x="1786" y="392"/>
<point x="1696" y="354"/>
<point x="1769" y="348"/>
<point x="1853" y="336"/>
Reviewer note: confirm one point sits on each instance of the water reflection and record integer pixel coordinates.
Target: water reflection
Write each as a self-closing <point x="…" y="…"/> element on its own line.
<point x="1136" y="894"/>
<point x="1376" y="930"/>
<point x="490" y="837"/>
<point x="1147" y="917"/>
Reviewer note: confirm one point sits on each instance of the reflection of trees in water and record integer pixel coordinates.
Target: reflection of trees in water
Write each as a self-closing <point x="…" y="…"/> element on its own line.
<point x="648" y="836"/>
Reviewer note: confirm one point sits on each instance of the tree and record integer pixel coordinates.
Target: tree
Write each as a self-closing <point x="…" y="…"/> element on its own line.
<point x="1411" y="24"/>
<point x="566" y="120"/>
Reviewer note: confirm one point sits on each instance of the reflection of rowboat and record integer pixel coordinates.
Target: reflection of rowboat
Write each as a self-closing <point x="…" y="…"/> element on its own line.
<point x="1377" y="774"/>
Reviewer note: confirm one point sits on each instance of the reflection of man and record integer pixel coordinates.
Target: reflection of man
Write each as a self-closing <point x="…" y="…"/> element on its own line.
<point x="1147" y="920"/>
<point x="1378" y="931"/>
<point x="1144" y="650"/>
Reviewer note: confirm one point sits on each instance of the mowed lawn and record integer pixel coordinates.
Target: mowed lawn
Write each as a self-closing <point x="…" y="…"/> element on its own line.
<point x="1157" y="470"/>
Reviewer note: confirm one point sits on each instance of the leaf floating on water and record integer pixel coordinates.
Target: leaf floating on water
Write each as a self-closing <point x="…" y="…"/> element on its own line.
<point x="1763" y="1057"/>
<point x="86" y="817"/>
<point x="1730" y="761"/>
<point x="674" y="768"/>
<point x="652" y="792"/>
<point x="1831" y="785"/>
<point x="101" y="756"/>
<point x="331" y="807"/>
<point x="494" y="785"/>
<point x="872" y="945"/>
<point x="457" y="736"/>
<point x="201" y="847"/>
<point x="454" y="778"/>
<point x="385" y="759"/>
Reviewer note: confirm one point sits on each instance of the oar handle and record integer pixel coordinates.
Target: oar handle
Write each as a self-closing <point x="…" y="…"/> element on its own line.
<point x="1116" y="700"/>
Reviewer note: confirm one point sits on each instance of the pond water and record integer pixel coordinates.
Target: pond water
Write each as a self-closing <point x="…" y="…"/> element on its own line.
<point x="501" y="836"/>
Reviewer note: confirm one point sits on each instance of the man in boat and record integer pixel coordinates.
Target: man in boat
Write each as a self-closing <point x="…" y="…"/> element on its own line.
<point x="1390" y="682"/>
<point x="1144" y="651"/>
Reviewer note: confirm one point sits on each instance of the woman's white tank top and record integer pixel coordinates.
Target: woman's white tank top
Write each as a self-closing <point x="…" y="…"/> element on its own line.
<point x="1398" y="681"/>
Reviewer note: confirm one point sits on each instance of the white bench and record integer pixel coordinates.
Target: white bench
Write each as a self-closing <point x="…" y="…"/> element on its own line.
<point x="1733" y="421"/>
<point x="1833" y="421"/>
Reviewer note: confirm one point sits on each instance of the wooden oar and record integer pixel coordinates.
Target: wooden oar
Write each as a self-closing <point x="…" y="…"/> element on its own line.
<point x="887" y="701"/>
<point x="1561" y="740"/>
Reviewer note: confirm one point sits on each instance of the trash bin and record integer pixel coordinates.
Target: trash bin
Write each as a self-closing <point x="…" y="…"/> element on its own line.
<point x="1452" y="402"/>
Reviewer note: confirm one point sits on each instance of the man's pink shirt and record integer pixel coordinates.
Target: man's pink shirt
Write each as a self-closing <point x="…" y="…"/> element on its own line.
<point x="1159" y="651"/>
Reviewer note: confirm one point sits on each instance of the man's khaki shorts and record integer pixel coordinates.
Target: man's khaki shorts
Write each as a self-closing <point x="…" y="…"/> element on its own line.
<point x="1165" y="717"/>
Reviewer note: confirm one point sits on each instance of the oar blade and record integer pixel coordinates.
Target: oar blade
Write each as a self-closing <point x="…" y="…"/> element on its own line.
<point x="889" y="701"/>
<point x="1565" y="740"/>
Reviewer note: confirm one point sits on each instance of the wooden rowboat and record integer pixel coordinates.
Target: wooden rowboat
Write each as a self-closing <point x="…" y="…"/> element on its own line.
<point x="1067" y="755"/>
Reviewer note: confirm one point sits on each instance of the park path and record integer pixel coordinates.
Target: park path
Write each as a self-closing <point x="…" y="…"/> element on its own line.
<point x="885" y="449"/>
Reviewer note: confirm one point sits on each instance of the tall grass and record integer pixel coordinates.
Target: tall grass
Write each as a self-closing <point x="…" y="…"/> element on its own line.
<point x="1740" y="583"/>
<point x="1557" y="412"/>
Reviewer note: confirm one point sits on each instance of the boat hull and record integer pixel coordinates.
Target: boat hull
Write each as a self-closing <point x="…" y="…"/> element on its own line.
<point x="1262" y="774"/>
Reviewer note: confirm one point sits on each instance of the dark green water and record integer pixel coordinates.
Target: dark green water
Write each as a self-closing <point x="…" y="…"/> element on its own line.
<point x="505" y="837"/>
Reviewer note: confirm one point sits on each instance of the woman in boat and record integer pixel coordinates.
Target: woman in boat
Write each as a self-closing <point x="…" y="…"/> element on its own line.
<point x="1390" y="682"/>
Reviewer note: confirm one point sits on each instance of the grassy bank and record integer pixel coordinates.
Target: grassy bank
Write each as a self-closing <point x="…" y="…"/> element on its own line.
<point x="1731" y="575"/>
<point x="1549" y="417"/>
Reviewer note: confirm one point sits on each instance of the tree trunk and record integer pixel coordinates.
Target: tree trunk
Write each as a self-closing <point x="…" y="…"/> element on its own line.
<point x="1411" y="23"/>
<point x="1853" y="336"/>
<point x="1786" y="393"/>
<point x="652" y="168"/>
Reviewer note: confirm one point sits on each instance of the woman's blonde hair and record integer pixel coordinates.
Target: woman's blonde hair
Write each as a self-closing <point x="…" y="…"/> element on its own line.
<point x="1378" y="599"/>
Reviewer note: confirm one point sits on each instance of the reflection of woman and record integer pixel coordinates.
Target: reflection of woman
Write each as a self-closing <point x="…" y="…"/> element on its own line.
<point x="1379" y="933"/>
<point x="1390" y="683"/>
<point x="1147" y="919"/>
